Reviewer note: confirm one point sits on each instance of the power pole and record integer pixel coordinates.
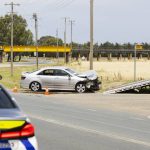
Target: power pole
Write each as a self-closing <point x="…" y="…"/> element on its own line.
<point x="12" y="33"/>
<point x="57" y="45"/>
<point x="65" y="40"/>
<point x="71" y="23"/>
<point x="36" y="39"/>
<point x="91" y="32"/>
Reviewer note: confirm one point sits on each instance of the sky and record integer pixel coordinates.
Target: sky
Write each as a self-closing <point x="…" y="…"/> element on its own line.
<point x="119" y="21"/>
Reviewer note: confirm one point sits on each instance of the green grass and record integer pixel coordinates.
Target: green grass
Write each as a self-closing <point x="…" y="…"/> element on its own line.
<point x="11" y="82"/>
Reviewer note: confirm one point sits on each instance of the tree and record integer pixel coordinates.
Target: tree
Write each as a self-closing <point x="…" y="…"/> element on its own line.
<point x="86" y="45"/>
<point x="107" y="45"/>
<point x="49" y="41"/>
<point x="128" y="46"/>
<point x="76" y="45"/>
<point x="117" y="46"/>
<point x="22" y="35"/>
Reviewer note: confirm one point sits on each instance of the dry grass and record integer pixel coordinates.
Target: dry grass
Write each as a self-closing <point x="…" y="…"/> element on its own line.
<point x="112" y="73"/>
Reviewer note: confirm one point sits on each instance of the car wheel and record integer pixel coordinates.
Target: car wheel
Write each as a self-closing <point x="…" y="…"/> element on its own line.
<point x="35" y="86"/>
<point x="80" y="88"/>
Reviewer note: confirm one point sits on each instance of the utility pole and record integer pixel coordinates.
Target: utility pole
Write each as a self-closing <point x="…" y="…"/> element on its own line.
<point x="36" y="39"/>
<point x="71" y="23"/>
<point x="12" y="33"/>
<point x="91" y="32"/>
<point x="65" y="40"/>
<point x="57" y="45"/>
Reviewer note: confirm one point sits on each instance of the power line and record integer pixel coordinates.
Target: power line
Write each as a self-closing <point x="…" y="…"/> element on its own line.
<point x="12" y="33"/>
<point x="65" y="4"/>
<point x="61" y="2"/>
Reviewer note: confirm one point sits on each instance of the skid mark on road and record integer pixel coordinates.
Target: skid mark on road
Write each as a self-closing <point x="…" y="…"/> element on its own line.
<point x="88" y="130"/>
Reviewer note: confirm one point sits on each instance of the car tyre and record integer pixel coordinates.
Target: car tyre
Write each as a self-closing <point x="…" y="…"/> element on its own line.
<point x="35" y="86"/>
<point x="81" y="88"/>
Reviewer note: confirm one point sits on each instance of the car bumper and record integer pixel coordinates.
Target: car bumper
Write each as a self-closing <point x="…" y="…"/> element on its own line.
<point x="24" y="84"/>
<point x="96" y="85"/>
<point x="22" y="144"/>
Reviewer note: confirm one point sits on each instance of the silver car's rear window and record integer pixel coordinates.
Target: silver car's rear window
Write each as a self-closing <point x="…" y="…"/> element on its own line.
<point x="5" y="100"/>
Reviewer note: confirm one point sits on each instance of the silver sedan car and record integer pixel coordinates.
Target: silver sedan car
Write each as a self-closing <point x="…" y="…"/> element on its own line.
<point x="60" y="78"/>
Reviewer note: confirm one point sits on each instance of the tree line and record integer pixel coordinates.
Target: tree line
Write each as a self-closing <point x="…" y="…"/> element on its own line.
<point x="24" y="36"/>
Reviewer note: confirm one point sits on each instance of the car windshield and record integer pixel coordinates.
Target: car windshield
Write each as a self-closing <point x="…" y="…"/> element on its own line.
<point x="72" y="71"/>
<point x="5" y="100"/>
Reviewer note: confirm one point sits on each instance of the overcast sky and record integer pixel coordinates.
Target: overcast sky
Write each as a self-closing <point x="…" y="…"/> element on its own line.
<point x="114" y="20"/>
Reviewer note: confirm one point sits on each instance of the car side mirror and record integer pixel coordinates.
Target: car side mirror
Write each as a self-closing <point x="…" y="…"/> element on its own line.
<point x="69" y="77"/>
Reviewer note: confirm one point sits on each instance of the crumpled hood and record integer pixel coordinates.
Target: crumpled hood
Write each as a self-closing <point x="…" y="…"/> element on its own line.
<point x="91" y="75"/>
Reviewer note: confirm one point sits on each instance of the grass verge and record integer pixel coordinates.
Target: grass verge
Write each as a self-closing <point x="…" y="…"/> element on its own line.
<point x="109" y="79"/>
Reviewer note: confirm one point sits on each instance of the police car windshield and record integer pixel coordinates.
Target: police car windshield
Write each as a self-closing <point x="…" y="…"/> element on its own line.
<point x="5" y="100"/>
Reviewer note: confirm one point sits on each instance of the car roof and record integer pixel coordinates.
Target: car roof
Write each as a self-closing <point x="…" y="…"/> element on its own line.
<point x="55" y="67"/>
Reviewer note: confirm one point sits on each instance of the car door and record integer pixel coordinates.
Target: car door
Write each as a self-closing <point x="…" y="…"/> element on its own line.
<point x="47" y="78"/>
<point x="62" y="80"/>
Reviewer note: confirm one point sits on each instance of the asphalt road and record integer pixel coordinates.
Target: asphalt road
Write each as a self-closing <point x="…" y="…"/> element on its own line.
<point x="29" y="63"/>
<point x="62" y="126"/>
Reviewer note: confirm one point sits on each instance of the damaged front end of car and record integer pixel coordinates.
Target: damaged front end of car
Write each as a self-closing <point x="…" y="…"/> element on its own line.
<point x="92" y="81"/>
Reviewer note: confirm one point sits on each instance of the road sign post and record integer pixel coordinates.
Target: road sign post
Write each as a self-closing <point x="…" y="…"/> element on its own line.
<point x="137" y="47"/>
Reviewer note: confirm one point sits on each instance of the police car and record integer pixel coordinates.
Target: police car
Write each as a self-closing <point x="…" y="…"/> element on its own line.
<point x="16" y="130"/>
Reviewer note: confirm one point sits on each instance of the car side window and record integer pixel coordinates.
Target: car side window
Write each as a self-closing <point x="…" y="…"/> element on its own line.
<point x="61" y="73"/>
<point x="48" y="72"/>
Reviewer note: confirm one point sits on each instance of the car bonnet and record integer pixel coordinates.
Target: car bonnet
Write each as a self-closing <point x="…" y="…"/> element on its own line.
<point x="91" y="75"/>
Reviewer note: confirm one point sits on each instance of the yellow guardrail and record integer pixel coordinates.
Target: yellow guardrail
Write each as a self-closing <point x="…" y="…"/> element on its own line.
<point x="33" y="49"/>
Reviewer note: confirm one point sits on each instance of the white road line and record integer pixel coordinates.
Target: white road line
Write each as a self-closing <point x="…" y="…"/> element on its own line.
<point x="126" y="139"/>
<point x="134" y="118"/>
<point x="92" y="110"/>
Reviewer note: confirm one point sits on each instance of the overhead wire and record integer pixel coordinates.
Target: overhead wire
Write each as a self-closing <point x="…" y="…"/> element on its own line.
<point x="64" y="4"/>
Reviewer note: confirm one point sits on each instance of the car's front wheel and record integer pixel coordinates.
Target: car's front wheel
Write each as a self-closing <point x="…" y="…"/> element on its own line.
<point x="81" y="88"/>
<point x="35" y="86"/>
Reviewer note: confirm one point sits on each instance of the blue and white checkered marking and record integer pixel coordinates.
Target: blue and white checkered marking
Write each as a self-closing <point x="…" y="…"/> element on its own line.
<point x="25" y="144"/>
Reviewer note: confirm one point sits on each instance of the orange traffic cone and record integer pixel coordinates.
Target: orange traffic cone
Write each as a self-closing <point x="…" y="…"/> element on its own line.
<point x="15" y="89"/>
<point x="46" y="91"/>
